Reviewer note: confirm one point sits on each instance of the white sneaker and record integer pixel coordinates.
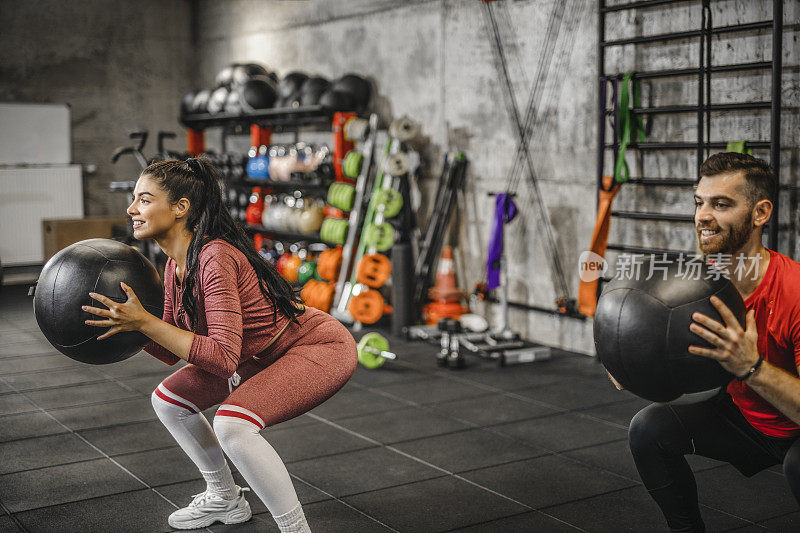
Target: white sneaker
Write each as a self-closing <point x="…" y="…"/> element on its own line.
<point x="209" y="507"/>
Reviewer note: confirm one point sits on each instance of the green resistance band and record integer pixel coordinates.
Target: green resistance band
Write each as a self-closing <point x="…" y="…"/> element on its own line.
<point x="739" y="147"/>
<point x="626" y="128"/>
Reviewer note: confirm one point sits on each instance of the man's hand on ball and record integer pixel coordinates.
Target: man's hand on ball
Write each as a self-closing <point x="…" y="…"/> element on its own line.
<point x="120" y="316"/>
<point x="735" y="348"/>
<point x="614" y="381"/>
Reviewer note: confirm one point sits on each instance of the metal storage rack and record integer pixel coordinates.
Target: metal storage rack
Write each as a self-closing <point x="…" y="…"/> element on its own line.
<point x="261" y="124"/>
<point x="703" y="107"/>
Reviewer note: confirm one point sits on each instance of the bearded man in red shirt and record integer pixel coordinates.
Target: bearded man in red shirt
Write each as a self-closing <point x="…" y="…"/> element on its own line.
<point x="755" y="423"/>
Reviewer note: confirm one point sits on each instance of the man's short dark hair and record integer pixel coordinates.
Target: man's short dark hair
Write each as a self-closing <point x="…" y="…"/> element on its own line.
<point x="759" y="175"/>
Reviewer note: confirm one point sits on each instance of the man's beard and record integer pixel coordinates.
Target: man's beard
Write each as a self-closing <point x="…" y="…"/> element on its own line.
<point x="731" y="241"/>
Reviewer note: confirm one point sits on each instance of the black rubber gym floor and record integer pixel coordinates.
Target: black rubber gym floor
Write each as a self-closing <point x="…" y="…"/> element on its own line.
<point x="408" y="447"/>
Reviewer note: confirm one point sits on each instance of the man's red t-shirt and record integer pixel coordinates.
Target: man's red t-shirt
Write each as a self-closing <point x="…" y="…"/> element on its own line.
<point x="776" y="301"/>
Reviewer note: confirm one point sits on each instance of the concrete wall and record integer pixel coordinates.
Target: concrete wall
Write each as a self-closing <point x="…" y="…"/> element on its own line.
<point x="434" y="61"/>
<point x="120" y="65"/>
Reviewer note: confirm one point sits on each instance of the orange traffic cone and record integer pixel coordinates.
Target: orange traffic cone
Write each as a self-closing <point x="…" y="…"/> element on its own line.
<point x="445" y="293"/>
<point x="445" y="289"/>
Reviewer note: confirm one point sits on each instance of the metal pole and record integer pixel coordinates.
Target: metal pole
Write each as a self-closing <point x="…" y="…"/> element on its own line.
<point x="700" y="85"/>
<point x="775" y="119"/>
<point x="601" y="101"/>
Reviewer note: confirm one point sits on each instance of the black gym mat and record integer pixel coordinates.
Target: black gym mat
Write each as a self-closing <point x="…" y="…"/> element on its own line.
<point x="407" y="447"/>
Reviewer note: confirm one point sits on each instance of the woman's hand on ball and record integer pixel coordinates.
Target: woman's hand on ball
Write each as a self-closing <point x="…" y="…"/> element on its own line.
<point x="120" y="316"/>
<point x="735" y="348"/>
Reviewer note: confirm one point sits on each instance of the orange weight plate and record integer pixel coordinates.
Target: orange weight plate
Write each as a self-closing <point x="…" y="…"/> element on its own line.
<point x="329" y="263"/>
<point x="290" y="268"/>
<point x="367" y="307"/>
<point x="373" y="270"/>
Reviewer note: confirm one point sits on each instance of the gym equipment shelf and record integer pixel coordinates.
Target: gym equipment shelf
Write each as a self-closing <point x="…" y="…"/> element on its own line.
<point x="284" y="118"/>
<point x="263" y="122"/>
<point x="703" y="108"/>
<point x="283" y="234"/>
<point x="285" y="186"/>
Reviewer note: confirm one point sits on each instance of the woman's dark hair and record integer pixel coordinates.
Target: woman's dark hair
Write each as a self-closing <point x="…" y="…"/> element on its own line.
<point x="761" y="183"/>
<point x="199" y="181"/>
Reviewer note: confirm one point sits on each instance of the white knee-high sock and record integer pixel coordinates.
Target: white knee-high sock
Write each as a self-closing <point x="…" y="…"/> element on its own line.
<point x="194" y="435"/>
<point x="261" y="466"/>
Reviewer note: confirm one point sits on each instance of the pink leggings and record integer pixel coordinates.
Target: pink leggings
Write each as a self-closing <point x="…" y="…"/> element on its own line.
<point x="305" y="366"/>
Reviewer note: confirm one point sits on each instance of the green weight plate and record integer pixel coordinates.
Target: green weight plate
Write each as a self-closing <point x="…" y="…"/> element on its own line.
<point x="352" y="164"/>
<point x="333" y="230"/>
<point x="391" y="200"/>
<point x="347" y="196"/>
<point x="306" y="271"/>
<point x="380" y="236"/>
<point x="341" y="196"/>
<point x="376" y="341"/>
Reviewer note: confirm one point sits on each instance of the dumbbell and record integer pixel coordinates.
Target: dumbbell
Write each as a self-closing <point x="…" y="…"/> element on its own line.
<point x="450" y="329"/>
<point x="373" y="350"/>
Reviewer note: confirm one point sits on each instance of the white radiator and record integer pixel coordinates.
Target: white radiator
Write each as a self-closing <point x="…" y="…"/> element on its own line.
<point x="28" y="196"/>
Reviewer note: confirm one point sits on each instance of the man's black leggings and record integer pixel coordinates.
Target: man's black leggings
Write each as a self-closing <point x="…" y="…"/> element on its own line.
<point x="661" y="434"/>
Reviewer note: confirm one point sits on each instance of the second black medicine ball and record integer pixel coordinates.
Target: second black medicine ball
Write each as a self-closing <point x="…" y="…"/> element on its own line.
<point x="187" y="103"/>
<point x="313" y="89"/>
<point x="216" y="102"/>
<point x="337" y="100"/>
<point x="289" y="88"/>
<point x="257" y="93"/>
<point x="243" y="72"/>
<point x="94" y="265"/>
<point x="359" y="87"/>
<point x="642" y="336"/>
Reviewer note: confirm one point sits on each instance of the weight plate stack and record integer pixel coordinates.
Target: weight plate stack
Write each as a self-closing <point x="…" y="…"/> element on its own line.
<point x="367" y="306"/>
<point x="374" y="270"/>
<point x="391" y="200"/>
<point x="352" y="164"/>
<point x="334" y="230"/>
<point x="379" y="236"/>
<point x="341" y="196"/>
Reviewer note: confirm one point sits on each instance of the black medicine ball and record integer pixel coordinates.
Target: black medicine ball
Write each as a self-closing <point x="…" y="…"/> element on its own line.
<point x="225" y="76"/>
<point x="257" y="93"/>
<point x="360" y="88"/>
<point x="242" y="73"/>
<point x="312" y="90"/>
<point x="233" y="103"/>
<point x="642" y="337"/>
<point x="187" y="103"/>
<point x="289" y="88"/>
<point x="94" y="265"/>
<point x="338" y="100"/>
<point x="216" y="102"/>
<point x="200" y="102"/>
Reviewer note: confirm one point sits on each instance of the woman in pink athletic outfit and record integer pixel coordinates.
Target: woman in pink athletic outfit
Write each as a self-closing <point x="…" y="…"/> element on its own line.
<point x="250" y="344"/>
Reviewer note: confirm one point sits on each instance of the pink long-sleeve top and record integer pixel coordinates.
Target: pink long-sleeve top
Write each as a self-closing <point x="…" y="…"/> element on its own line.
<point x="233" y="319"/>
